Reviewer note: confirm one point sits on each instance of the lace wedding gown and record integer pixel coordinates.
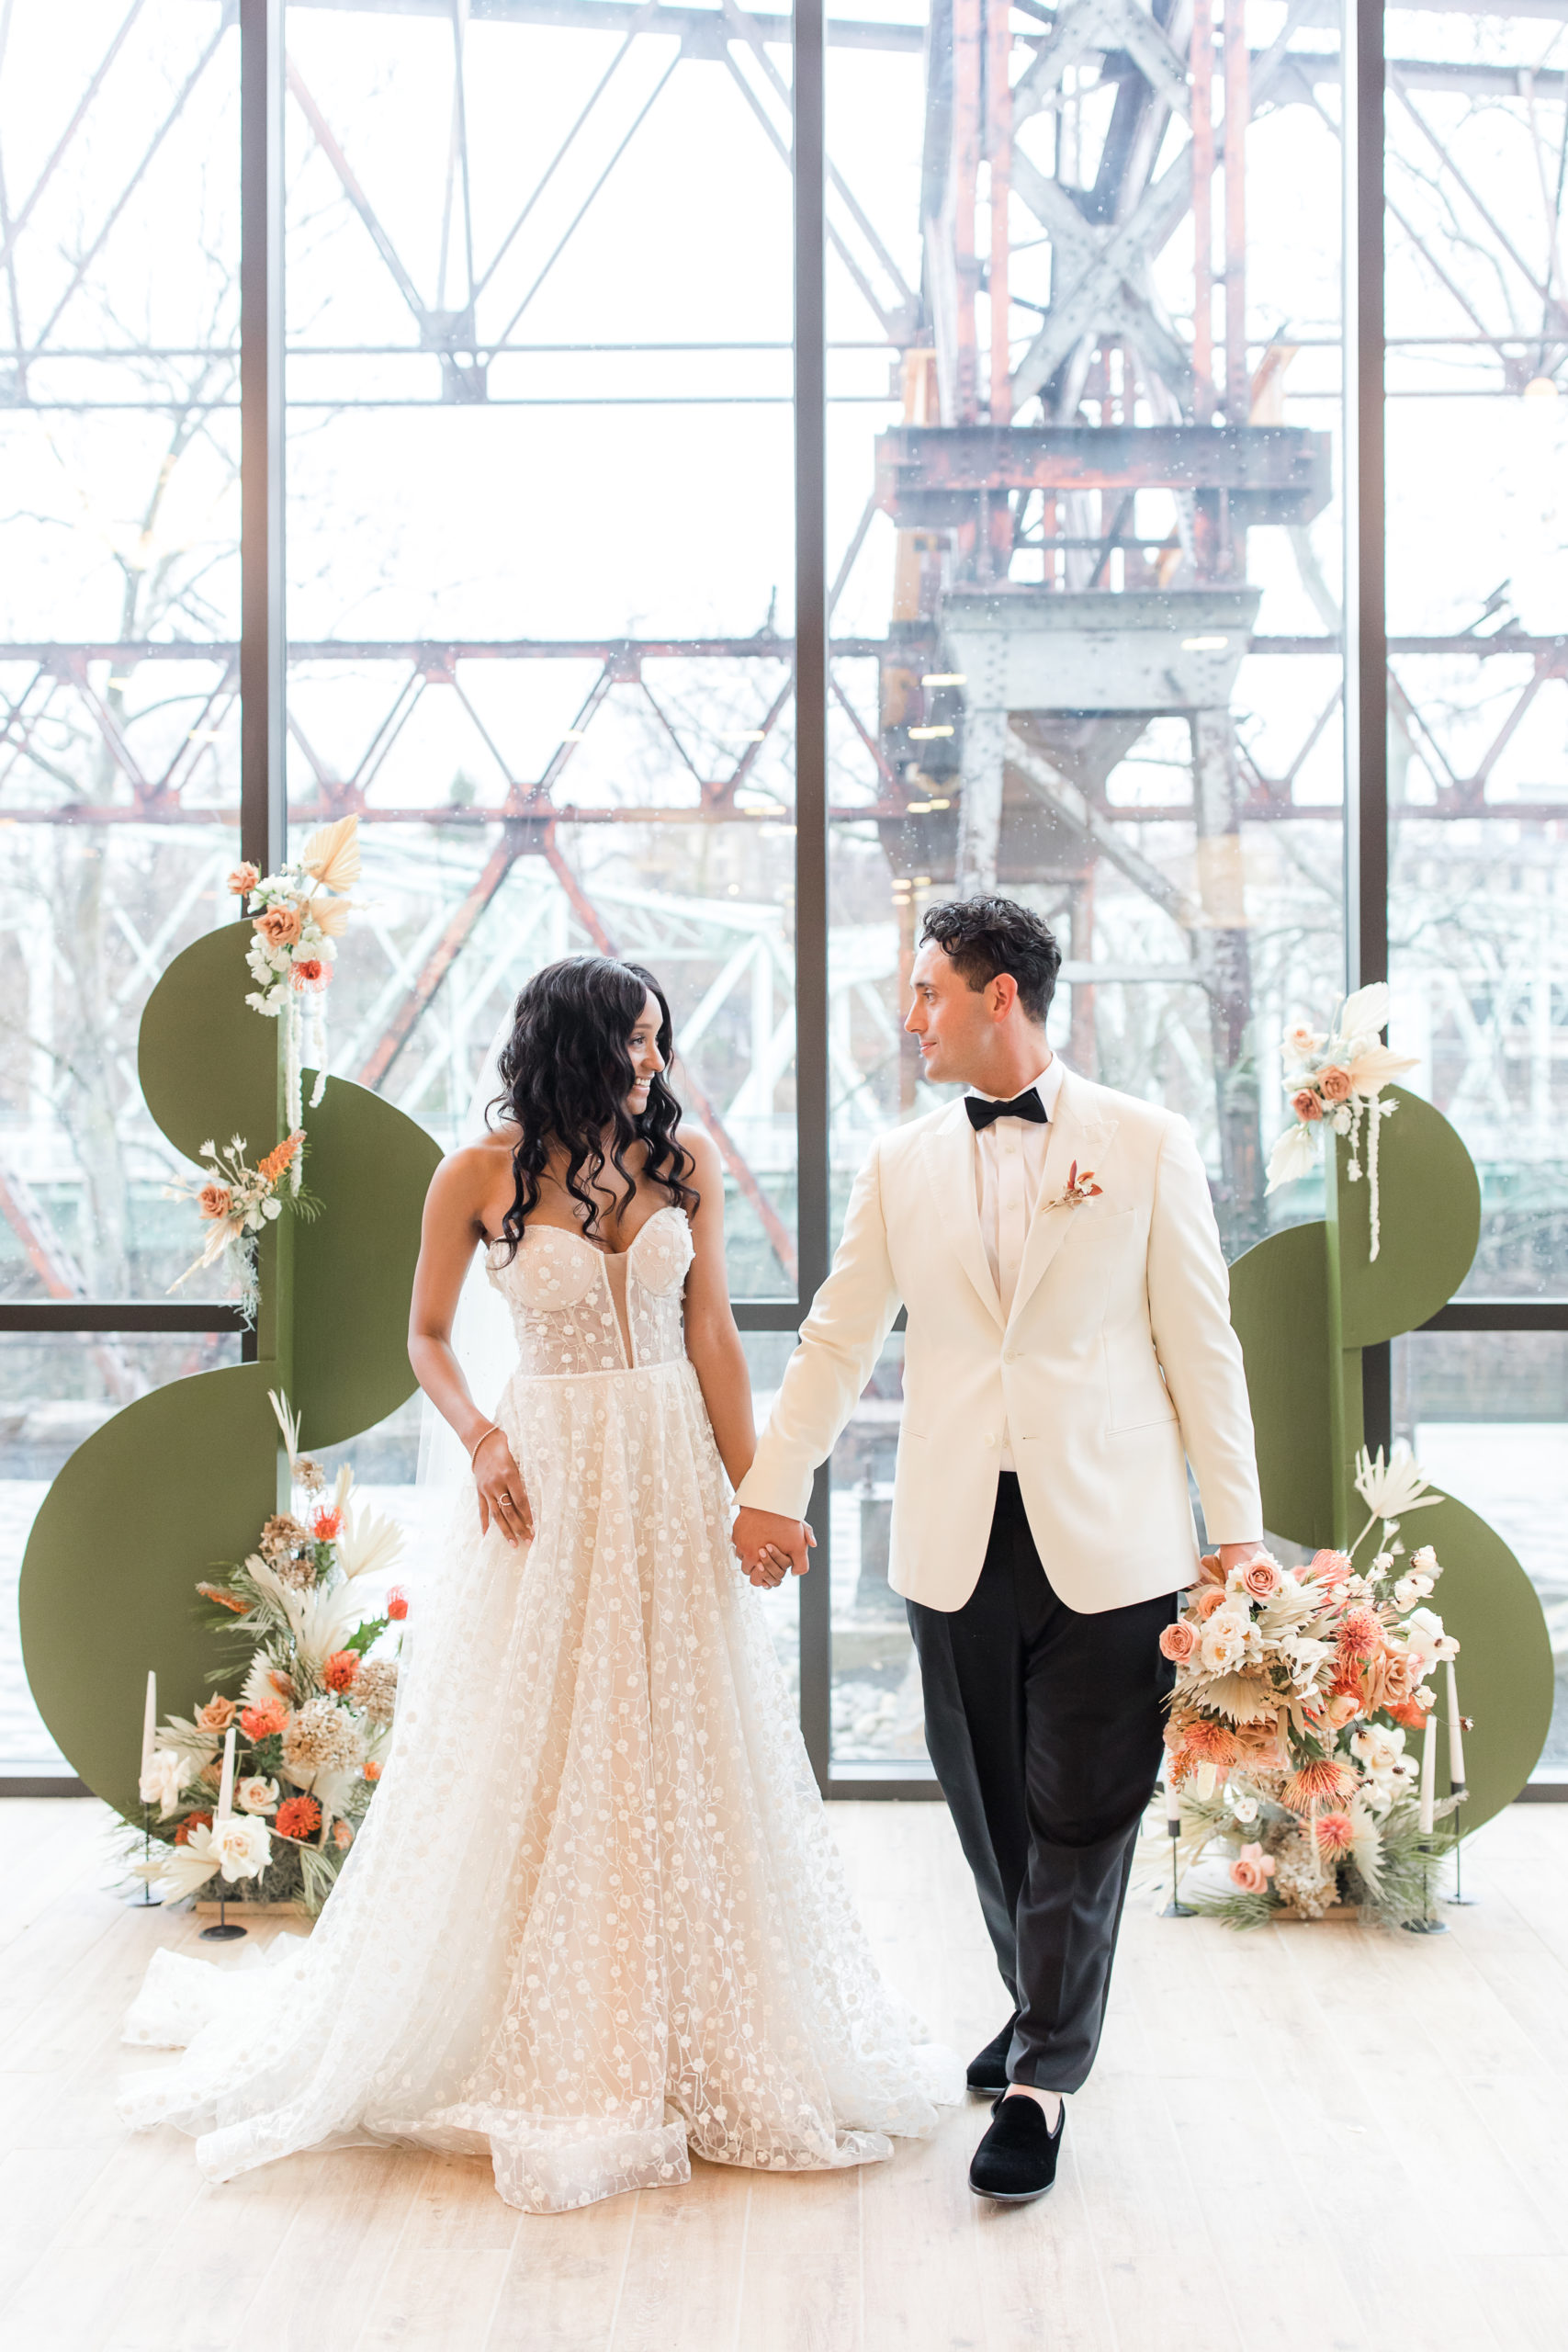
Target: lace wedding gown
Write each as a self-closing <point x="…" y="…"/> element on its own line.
<point x="594" y="1918"/>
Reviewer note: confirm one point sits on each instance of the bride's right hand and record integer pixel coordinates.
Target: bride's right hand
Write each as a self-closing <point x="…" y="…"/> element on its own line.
<point x="503" y="1498"/>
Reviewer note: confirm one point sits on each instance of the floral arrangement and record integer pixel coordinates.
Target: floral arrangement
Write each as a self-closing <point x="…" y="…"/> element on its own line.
<point x="236" y="1201"/>
<point x="297" y="915"/>
<point x="1338" y="1076"/>
<point x="268" y="1789"/>
<point x="1295" y="1691"/>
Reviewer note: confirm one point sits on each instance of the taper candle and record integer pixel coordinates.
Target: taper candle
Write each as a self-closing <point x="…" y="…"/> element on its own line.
<point x="1428" y="1774"/>
<point x="148" y="1721"/>
<point x="1456" y="1731"/>
<point x="226" y="1788"/>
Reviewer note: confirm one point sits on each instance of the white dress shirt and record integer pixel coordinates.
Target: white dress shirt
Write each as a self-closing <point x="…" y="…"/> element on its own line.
<point x="1010" y="1168"/>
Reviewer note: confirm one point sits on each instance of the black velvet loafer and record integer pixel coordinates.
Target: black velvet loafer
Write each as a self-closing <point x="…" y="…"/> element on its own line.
<point x="1016" y="2161"/>
<point x="988" y="2072"/>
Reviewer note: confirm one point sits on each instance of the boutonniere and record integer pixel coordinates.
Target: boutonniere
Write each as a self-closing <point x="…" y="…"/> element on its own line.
<point x="1078" y="1188"/>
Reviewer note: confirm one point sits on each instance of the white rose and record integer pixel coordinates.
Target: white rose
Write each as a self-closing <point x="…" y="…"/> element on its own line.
<point x="256" y="1794"/>
<point x="241" y="1845"/>
<point x="1245" y="1810"/>
<point x="1221" y="1644"/>
<point x="166" y="1776"/>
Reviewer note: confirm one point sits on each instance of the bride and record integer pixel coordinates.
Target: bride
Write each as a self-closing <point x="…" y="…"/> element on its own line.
<point x="594" y="1919"/>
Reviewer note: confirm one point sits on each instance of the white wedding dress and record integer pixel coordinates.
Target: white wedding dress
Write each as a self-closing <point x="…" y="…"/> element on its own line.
<point x="594" y="1918"/>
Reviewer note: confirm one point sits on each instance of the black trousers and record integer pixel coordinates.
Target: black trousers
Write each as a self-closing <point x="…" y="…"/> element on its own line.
<point x="1044" y="1730"/>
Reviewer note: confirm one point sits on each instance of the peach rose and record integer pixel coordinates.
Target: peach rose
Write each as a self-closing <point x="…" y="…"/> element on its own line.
<point x="280" y="926"/>
<point x="1261" y="1578"/>
<point x="1307" y="1106"/>
<point x="243" y="880"/>
<point x="1343" y="1708"/>
<point x="1212" y="1596"/>
<point x="1252" y="1870"/>
<point x="1334" y="1084"/>
<point x="214" y="1200"/>
<point x="217" y="1715"/>
<point x="1178" y="1641"/>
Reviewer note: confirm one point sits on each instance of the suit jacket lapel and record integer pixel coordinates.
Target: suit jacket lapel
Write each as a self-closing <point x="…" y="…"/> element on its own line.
<point x="1077" y="1135"/>
<point x="950" y="1166"/>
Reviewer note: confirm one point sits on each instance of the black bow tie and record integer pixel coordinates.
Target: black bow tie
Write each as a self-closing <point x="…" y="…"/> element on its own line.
<point x="1022" y="1106"/>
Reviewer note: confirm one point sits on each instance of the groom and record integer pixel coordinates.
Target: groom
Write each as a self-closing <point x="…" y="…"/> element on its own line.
<point x="1068" y="1352"/>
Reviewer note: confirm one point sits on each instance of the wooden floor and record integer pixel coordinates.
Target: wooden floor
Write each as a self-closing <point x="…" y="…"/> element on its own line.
<point x="1314" y="2137"/>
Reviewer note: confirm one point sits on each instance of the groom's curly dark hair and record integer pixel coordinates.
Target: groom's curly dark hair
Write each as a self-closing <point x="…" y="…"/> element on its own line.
<point x="986" y="936"/>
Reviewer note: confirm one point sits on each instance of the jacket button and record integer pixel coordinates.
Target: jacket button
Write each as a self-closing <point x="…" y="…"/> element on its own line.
<point x="989" y="1439"/>
<point x="1013" y="1355"/>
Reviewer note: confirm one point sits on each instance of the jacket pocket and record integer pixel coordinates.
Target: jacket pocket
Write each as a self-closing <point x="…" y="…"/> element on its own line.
<point x="1135" y="1394"/>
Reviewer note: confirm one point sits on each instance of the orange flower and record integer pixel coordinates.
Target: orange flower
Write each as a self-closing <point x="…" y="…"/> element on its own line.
<point x="262" y="1723"/>
<point x="341" y="1670"/>
<point x="1252" y="1869"/>
<point x="396" y="1602"/>
<point x="343" y="1836"/>
<point x="1409" y="1714"/>
<point x="1307" y="1106"/>
<point x="1177" y="1640"/>
<point x="278" y="1158"/>
<point x="1336" y="1832"/>
<point x="280" y="926"/>
<point x="215" y="1201"/>
<point x="1360" y="1633"/>
<point x="1329" y="1567"/>
<point x="1313" y="1785"/>
<point x="192" y="1821"/>
<point x="244" y="880"/>
<point x="1334" y="1084"/>
<point x="372" y="1769"/>
<point x="217" y="1715"/>
<point x="327" y="1526"/>
<point x="310" y="972"/>
<point x="1204" y="1742"/>
<point x="297" y="1818"/>
<point x="1209" y="1597"/>
<point x="224" y="1599"/>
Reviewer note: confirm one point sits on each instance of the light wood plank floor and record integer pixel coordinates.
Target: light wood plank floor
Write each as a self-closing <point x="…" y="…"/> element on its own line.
<point x="1316" y="2137"/>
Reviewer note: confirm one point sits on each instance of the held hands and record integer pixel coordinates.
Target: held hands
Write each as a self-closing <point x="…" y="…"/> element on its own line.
<point x="503" y="1495"/>
<point x="770" y="1547"/>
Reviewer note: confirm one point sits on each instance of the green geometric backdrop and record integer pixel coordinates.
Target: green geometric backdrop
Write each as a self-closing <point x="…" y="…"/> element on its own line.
<point x="1304" y="1304"/>
<point x="184" y="1477"/>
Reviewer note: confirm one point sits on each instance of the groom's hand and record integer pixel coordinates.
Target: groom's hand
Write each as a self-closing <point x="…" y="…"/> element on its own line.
<point x="758" y="1533"/>
<point x="1238" y="1556"/>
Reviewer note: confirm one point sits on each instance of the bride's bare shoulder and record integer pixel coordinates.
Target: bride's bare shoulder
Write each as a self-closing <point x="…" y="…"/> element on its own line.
<point x="470" y="1178"/>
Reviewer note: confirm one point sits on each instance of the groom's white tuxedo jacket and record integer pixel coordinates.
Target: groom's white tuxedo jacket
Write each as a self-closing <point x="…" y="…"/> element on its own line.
<point x="1116" y="1365"/>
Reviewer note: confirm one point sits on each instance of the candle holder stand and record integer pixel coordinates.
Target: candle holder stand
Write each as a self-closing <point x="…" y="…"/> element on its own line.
<point x="1428" y="1925"/>
<point x="226" y="1929"/>
<point x="147" y="1901"/>
<point x="1176" y="1908"/>
<point x="1459" y="1900"/>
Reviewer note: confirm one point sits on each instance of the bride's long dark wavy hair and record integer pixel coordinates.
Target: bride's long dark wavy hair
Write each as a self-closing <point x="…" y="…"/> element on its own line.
<point x="566" y="1071"/>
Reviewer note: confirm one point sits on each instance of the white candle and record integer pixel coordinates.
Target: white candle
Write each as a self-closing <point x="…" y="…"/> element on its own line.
<point x="1428" y="1774"/>
<point x="149" y="1723"/>
<point x="226" y="1788"/>
<point x="1456" y="1731"/>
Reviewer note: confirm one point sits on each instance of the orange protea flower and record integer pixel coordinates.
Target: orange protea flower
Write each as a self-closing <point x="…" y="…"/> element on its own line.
<point x="327" y="1526"/>
<point x="224" y="1599"/>
<point x="278" y="1158"/>
<point x="1409" y="1714"/>
<point x="1314" y="1784"/>
<point x="1329" y="1567"/>
<point x="396" y="1602"/>
<point x="262" y="1723"/>
<point x="1204" y="1742"/>
<point x="297" y="1818"/>
<point x="192" y="1821"/>
<point x="372" y="1769"/>
<point x="1360" y="1633"/>
<point x="341" y="1670"/>
<point x="1336" y="1832"/>
<point x="217" y="1715"/>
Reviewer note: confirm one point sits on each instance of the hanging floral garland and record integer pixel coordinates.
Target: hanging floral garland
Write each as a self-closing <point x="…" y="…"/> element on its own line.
<point x="1338" y="1076"/>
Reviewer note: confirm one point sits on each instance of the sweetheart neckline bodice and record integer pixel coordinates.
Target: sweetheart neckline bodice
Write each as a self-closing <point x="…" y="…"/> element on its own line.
<point x="566" y="1233"/>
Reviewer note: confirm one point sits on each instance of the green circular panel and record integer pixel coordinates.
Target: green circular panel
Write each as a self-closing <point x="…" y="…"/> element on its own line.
<point x="1429" y="1216"/>
<point x="179" y="1481"/>
<point x="207" y="1061"/>
<point x="1503" y="1667"/>
<point x="1280" y="1311"/>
